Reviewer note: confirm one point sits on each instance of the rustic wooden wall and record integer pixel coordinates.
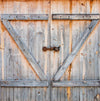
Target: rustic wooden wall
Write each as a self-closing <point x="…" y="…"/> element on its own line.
<point x="36" y="34"/>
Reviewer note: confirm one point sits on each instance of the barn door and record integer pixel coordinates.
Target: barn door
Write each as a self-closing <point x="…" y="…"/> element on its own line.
<point x="50" y="56"/>
<point x="24" y="66"/>
<point x="74" y="67"/>
<point x="24" y="56"/>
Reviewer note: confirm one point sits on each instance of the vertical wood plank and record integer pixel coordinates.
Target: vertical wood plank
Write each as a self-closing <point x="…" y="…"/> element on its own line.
<point x="45" y="63"/>
<point x="4" y="90"/>
<point x="11" y="63"/>
<point x="48" y="43"/>
<point x="16" y="70"/>
<point x="89" y="56"/>
<point x="98" y="89"/>
<point x="83" y="53"/>
<point x="76" y="62"/>
<point x="95" y="52"/>
<point x="24" y="91"/>
<point x="31" y="43"/>
<point x="54" y="43"/>
<point x="1" y="51"/>
<point x="61" y="37"/>
<point x="0" y="58"/>
<point x="39" y="52"/>
<point x="69" y="90"/>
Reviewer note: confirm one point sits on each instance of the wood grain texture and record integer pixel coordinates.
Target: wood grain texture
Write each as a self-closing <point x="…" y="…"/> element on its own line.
<point x="80" y="43"/>
<point x="83" y="52"/>
<point x="0" y="65"/>
<point x="21" y="83"/>
<point x="24" y="16"/>
<point x="53" y="30"/>
<point x="84" y="83"/>
<point x="76" y="16"/>
<point x="25" y="51"/>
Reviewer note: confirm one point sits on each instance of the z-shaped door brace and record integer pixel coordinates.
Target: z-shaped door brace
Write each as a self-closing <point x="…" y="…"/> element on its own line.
<point x="72" y="55"/>
<point x="5" y="18"/>
<point x="31" y="59"/>
<point x="95" y="19"/>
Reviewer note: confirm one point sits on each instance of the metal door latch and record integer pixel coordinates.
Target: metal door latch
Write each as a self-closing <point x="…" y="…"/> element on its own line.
<point x="56" y="49"/>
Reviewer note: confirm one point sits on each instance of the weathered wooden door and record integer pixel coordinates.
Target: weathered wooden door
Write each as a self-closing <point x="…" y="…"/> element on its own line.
<point x="24" y="67"/>
<point x="84" y="67"/>
<point x="48" y="54"/>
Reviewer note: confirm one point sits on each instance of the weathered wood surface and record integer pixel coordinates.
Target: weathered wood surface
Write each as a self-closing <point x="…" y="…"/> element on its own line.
<point x="24" y="49"/>
<point x="80" y="43"/>
<point x="29" y="32"/>
<point x="76" y="16"/>
<point x="54" y="16"/>
<point x="24" y="16"/>
<point x="23" y="83"/>
<point x="66" y="33"/>
<point x="73" y="30"/>
<point x="81" y="83"/>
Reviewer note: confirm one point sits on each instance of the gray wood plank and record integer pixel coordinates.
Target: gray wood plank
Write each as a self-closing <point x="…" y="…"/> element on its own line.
<point x="0" y="66"/>
<point x="16" y="68"/>
<point x="31" y="47"/>
<point x="77" y="83"/>
<point x="48" y="55"/>
<point x="54" y="16"/>
<point x="80" y="43"/>
<point x="75" y="65"/>
<point x="83" y="52"/>
<point x="24" y="49"/>
<point x="54" y="55"/>
<point x="24" y="16"/>
<point x="75" y="16"/>
<point x="23" y="83"/>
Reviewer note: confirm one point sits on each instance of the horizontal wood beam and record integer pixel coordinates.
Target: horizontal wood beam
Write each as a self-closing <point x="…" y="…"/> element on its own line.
<point x="30" y="83"/>
<point x="54" y="16"/>
<point x="71" y="56"/>
<point x="24" y="50"/>
<point x="83" y="83"/>
<point x="21" y="83"/>
<point x="24" y="16"/>
<point x="76" y="16"/>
